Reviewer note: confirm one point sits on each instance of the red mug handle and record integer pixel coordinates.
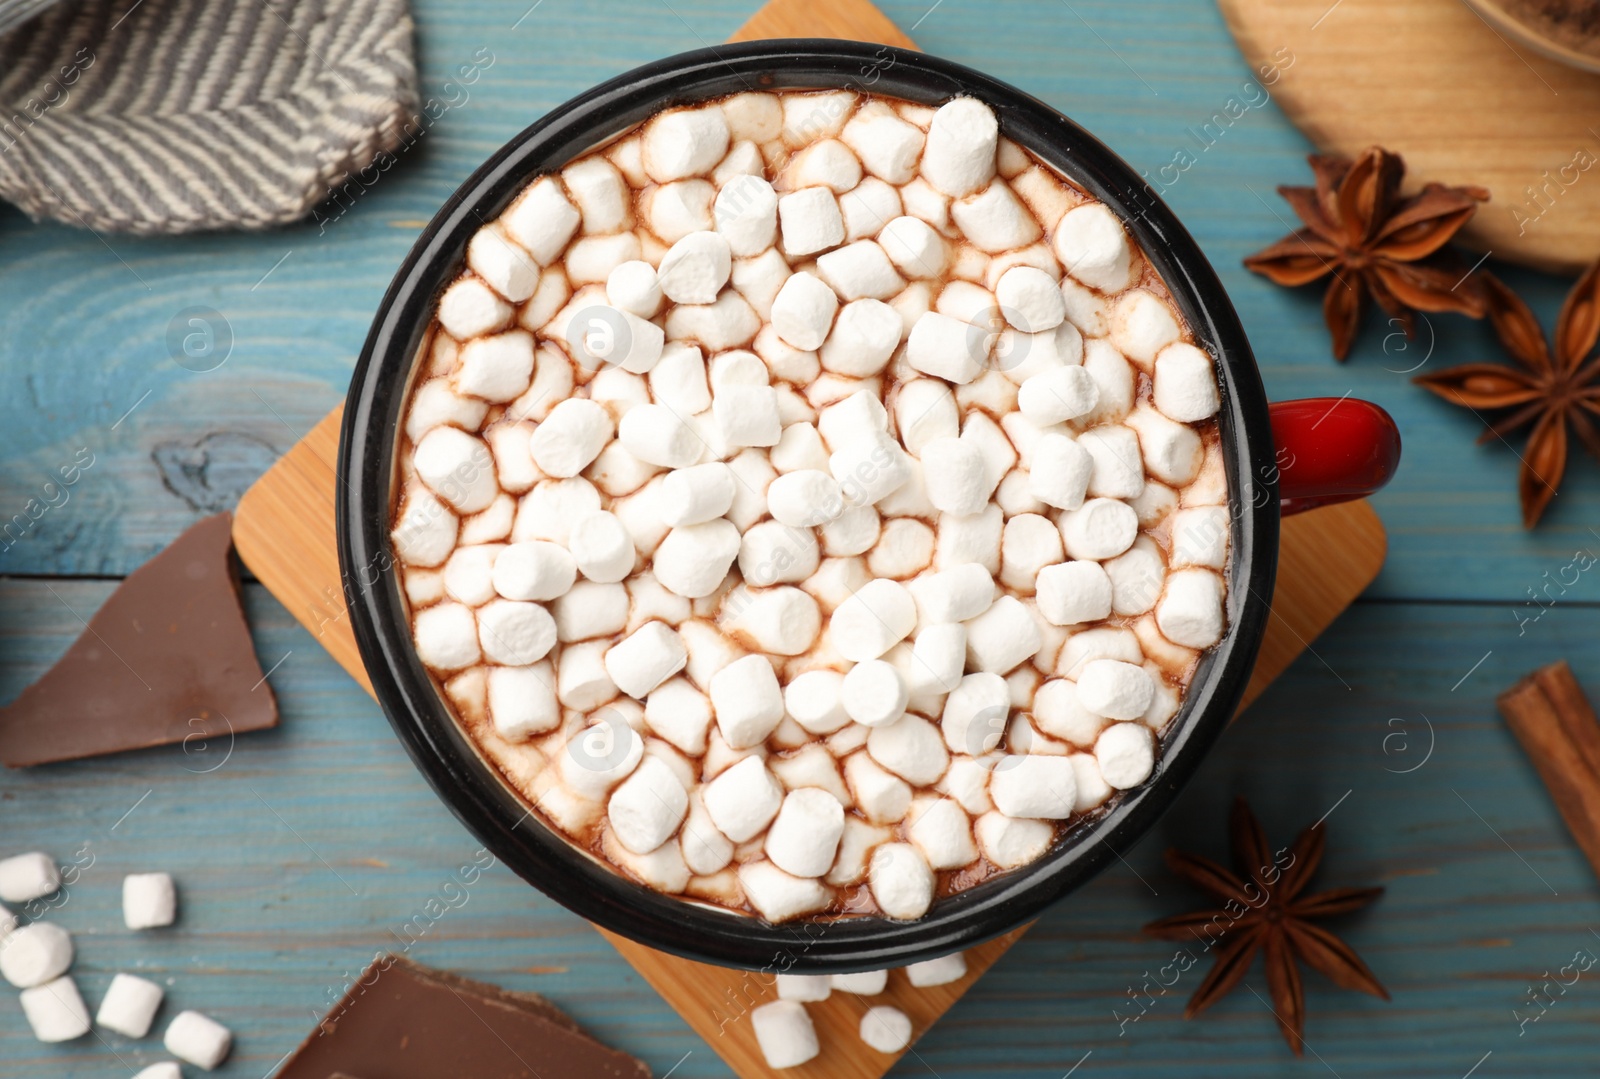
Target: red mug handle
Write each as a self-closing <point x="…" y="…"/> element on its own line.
<point x="1332" y="449"/>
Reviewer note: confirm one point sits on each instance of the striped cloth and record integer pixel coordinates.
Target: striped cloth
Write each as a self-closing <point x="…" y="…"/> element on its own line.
<point x="164" y="116"/>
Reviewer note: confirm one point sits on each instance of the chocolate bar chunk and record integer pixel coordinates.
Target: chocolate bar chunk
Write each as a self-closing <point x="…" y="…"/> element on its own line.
<point x="401" y="1020"/>
<point x="167" y="658"/>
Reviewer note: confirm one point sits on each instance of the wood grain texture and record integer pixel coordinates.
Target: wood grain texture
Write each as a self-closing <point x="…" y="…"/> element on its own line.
<point x="1440" y="85"/>
<point x="854" y="20"/>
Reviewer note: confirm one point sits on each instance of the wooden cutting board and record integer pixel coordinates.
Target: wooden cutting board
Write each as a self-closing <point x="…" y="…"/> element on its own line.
<point x="1435" y="82"/>
<point x="284" y="531"/>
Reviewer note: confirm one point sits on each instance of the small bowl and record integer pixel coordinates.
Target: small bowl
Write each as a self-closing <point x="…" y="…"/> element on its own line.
<point x="475" y="791"/>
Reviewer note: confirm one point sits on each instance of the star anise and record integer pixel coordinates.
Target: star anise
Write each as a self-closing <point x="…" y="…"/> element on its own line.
<point x="1549" y="391"/>
<point x="1265" y="911"/>
<point x="1358" y="229"/>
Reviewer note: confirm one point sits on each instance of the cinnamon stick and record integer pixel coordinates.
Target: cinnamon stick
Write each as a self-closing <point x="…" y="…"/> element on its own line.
<point x="1557" y="727"/>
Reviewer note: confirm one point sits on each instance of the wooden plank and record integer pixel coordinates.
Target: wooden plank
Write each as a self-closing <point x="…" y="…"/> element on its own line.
<point x="853" y="20"/>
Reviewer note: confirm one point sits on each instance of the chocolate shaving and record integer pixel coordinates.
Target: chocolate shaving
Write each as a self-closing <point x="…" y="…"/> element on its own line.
<point x="167" y="658"/>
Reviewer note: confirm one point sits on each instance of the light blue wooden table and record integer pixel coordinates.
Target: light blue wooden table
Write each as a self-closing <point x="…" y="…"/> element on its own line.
<point x="309" y="848"/>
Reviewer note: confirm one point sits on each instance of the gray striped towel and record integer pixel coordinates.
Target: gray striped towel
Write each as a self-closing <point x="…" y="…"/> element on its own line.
<point x="163" y="116"/>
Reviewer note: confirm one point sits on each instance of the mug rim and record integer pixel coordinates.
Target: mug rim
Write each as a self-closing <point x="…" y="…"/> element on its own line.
<point x="474" y="789"/>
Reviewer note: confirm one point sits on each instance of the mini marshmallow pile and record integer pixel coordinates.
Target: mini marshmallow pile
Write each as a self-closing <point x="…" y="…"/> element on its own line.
<point x="36" y="958"/>
<point x="787" y="1036"/>
<point x="809" y="495"/>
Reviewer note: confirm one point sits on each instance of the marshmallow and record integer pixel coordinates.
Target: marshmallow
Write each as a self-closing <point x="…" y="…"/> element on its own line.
<point x="1091" y="244"/>
<point x="515" y="633"/>
<point x="656" y="434"/>
<point x="938" y="658"/>
<point x="785" y="1034"/>
<point x="1070" y="593"/>
<point x="546" y="302"/>
<point x="696" y="268"/>
<point x="505" y="266"/>
<point x="1185" y="385"/>
<point x="678" y="380"/>
<point x="876" y="618"/>
<point x="969" y="302"/>
<point x="590" y="261"/>
<point x="943" y="833"/>
<point x="911" y="748"/>
<point x="446" y="637"/>
<point x="469" y="308"/>
<point x="863" y="338"/>
<point x="522" y="701"/>
<point x="601" y="755"/>
<point x="1058" y="394"/>
<point x="1118" y="470"/>
<point x="904" y="549"/>
<point x="861" y="415"/>
<point x="542" y="220"/>
<point x="591" y="609"/>
<point x="940" y="971"/>
<point x="880" y="795"/>
<point x="815" y="701"/>
<point x="887" y="146"/>
<point x="457" y="467"/>
<point x="1030" y="299"/>
<point x="602" y="195"/>
<point x="634" y="287"/>
<point x="197" y="1039"/>
<point x="805" y="835"/>
<point x="1093" y="790"/>
<point x="747" y="416"/>
<point x="1210" y="486"/>
<point x="959" y="155"/>
<point x="774" y="553"/>
<point x="994" y="219"/>
<point x="759" y="280"/>
<point x="496" y="368"/>
<point x="915" y="247"/>
<point x="645" y="659"/>
<point x="804" y="988"/>
<point x="37" y="953"/>
<point x="746" y="215"/>
<point x="166" y="1069"/>
<point x="867" y="207"/>
<point x="1200" y="537"/>
<point x="1125" y="753"/>
<point x="810" y="221"/>
<point x="1142" y="325"/>
<point x="129" y="1006"/>
<point x="678" y="209"/>
<point x="646" y="809"/>
<point x="825" y="163"/>
<point x="805" y="498"/>
<point x="436" y="402"/>
<point x="24" y="877"/>
<point x="784" y="621"/>
<point x="680" y="714"/>
<point x="693" y="559"/>
<point x="855" y="847"/>
<point x="1100" y="528"/>
<point x="901" y="882"/>
<point x="925" y="410"/>
<point x="705" y="850"/>
<point x="747" y="700"/>
<point x="1136" y="577"/>
<point x="910" y="499"/>
<point x="862" y="269"/>
<point x="467" y="574"/>
<point x="1114" y="689"/>
<point x="953" y="595"/>
<point x="971" y="539"/>
<point x="869" y="468"/>
<point x="1034" y="786"/>
<point x="697" y="494"/>
<point x="753" y="116"/>
<point x="946" y="347"/>
<point x="1020" y="356"/>
<point x="552" y="383"/>
<point x="1009" y="843"/>
<point x="873" y="694"/>
<point x="728" y="323"/>
<point x="534" y="570"/>
<point x="743" y="800"/>
<point x="1106" y="642"/>
<point x="1029" y="544"/>
<point x="1173" y="452"/>
<point x="491" y="524"/>
<point x="682" y="143"/>
<point x="663" y="869"/>
<point x="149" y="900"/>
<point x="546" y="512"/>
<point x="803" y="311"/>
<point x="602" y="547"/>
<point x="888" y="1030"/>
<point x="1002" y="637"/>
<point x="956" y="476"/>
<point x="800" y="447"/>
<point x="811" y="116"/>
<point x="56" y="1011"/>
<point x="866" y="983"/>
<point x="975" y="714"/>
<point x="1190" y="613"/>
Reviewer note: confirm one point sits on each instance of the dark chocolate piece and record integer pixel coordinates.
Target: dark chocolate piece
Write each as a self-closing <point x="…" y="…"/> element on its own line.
<point x="401" y="1020"/>
<point x="166" y="659"/>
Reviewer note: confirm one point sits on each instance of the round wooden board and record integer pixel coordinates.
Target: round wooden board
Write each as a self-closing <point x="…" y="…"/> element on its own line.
<point x="1431" y="80"/>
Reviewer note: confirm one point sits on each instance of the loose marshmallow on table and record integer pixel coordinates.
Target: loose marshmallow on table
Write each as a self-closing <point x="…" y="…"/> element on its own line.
<point x="805" y="834"/>
<point x="166" y="1069"/>
<point x="805" y="988"/>
<point x="28" y="876"/>
<point x="785" y="1033"/>
<point x="198" y="1039"/>
<point x="867" y="983"/>
<point x="1125" y="753"/>
<point x="129" y="1006"/>
<point x="886" y="1029"/>
<point x="940" y="971"/>
<point x="56" y="1011"/>
<point x="35" y="954"/>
